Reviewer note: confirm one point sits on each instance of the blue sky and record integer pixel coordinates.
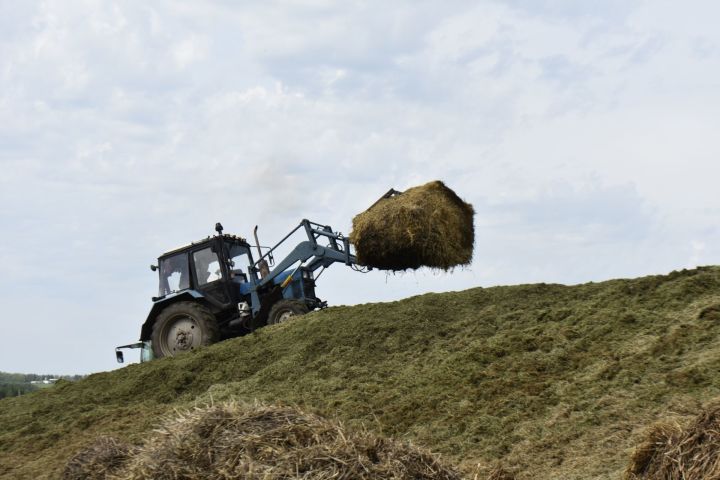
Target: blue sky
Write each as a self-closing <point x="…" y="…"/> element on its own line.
<point x="584" y="133"/>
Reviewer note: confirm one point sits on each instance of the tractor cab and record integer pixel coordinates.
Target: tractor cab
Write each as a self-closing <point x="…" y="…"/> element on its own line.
<point x="219" y="268"/>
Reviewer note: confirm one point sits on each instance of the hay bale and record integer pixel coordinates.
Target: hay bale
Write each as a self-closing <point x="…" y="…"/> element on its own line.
<point x="103" y="459"/>
<point x="672" y="451"/>
<point x="427" y="226"/>
<point x="234" y="441"/>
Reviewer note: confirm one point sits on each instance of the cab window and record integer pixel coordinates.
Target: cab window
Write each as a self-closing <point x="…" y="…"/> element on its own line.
<point x="174" y="274"/>
<point x="207" y="266"/>
<point x="239" y="261"/>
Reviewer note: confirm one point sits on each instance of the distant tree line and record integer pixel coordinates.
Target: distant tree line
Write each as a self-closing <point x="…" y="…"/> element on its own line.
<point x="15" y="384"/>
<point x="16" y="389"/>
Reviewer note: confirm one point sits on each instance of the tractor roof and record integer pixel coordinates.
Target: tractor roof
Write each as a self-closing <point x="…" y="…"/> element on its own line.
<point x="208" y="239"/>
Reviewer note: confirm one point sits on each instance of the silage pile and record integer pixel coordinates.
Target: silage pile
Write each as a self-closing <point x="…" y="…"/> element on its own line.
<point x="239" y="441"/>
<point x="671" y="451"/>
<point x="427" y="226"/>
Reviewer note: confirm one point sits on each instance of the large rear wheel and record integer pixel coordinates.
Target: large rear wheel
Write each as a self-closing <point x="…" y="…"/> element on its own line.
<point x="285" y="309"/>
<point x="183" y="327"/>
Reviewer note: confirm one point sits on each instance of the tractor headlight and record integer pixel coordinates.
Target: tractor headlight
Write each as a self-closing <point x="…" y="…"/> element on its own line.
<point x="307" y="274"/>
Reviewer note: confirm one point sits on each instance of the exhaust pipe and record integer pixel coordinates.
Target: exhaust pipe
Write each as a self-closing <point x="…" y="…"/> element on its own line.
<point x="262" y="265"/>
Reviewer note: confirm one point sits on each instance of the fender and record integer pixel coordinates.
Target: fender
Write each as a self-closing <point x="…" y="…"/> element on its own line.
<point x="160" y="304"/>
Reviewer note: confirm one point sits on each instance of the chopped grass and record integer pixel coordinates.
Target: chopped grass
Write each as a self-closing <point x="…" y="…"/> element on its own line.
<point x="548" y="381"/>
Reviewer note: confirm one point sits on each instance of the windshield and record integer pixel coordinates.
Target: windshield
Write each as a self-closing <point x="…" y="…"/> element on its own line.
<point x="239" y="261"/>
<point x="174" y="274"/>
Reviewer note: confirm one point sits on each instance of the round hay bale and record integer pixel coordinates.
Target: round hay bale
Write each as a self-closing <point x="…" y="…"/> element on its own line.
<point x="237" y="441"/>
<point x="426" y="226"/>
<point x="102" y="460"/>
<point x="690" y="452"/>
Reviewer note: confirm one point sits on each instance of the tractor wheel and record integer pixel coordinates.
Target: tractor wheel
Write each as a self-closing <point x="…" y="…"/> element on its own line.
<point x="284" y="309"/>
<point x="183" y="327"/>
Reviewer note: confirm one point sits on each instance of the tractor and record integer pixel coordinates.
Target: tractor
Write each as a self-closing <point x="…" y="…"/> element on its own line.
<point x="213" y="289"/>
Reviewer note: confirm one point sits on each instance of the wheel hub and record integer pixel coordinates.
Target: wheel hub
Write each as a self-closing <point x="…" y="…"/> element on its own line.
<point x="181" y="336"/>
<point x="184" y="339"/>
<point x="285" y="316"/>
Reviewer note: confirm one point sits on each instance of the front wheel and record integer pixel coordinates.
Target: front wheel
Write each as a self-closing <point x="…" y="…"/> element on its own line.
<point x="283" y="310"/>
<point x="183" y="327"/>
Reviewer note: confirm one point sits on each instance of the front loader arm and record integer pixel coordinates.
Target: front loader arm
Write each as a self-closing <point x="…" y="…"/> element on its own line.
<point x="337" y="250"/>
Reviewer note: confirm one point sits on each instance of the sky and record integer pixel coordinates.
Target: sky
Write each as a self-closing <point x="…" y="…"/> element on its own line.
<point x="585" y="134"/>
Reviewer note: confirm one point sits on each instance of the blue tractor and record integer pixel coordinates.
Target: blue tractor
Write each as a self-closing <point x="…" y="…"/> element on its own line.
<point x="213" y="289"/>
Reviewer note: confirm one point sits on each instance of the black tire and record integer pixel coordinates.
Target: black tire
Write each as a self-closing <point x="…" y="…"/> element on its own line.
<point x="284" y="309"/>
<point x="182" y="327"/>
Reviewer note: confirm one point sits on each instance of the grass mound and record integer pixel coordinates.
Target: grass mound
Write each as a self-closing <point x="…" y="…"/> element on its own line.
<point x="252" y="441"/>
<point x="548" y="381"/>
<point x="690" y="452"/>
<point x="427" y="226"/>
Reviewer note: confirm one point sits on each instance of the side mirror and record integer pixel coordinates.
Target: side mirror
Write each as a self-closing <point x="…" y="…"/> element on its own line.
<point x="119" y="356"/>
<point x="153" y="267"/>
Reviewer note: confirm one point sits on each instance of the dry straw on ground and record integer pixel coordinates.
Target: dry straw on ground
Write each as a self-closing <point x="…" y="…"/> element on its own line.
<point x="674" y="452"/>
<point x="499" y="473"/>
<point x="104" y="458"/>
<point x="427" y="226"/>
<point x="239" y="441"/>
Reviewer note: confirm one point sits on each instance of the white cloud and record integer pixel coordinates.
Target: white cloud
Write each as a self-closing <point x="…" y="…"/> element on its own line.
<point x="698" y="248"/>
<point x="189" y="51"/>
